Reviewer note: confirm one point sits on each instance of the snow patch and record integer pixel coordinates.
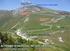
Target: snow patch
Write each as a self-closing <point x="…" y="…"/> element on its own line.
<point x="23" y="35"/>
<point x="60" y="39"/>
<point x="46" y="41"/>
<point x="26" y="20"/>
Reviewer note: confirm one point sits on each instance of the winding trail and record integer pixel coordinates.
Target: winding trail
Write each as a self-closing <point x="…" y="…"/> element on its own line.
<point x="24" y="36"/>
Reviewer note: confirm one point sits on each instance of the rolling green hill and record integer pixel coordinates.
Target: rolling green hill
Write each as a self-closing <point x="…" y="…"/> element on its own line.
<point x="34" y="25"/>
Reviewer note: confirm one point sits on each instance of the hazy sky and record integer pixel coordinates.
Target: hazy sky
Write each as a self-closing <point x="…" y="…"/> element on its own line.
<point x="61" y="4"/>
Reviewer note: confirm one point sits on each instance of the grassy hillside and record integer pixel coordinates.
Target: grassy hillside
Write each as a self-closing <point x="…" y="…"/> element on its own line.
<point x="46" y="27"/>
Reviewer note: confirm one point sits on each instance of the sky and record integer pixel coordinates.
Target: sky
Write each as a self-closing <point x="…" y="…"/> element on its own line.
<point x="55" y="4"/>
